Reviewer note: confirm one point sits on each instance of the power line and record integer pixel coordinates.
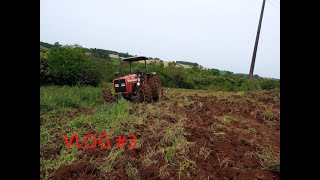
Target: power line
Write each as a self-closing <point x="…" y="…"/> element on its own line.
<point x="272" y="4"/>
<point x="277" y="2"/>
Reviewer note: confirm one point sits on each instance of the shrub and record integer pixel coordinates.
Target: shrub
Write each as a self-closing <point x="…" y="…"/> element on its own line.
<point x="70" y="65"/>
<point x="268" y="84"/>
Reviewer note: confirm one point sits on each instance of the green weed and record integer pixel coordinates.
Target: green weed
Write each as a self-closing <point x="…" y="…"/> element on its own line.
<point x="269" y="159"/>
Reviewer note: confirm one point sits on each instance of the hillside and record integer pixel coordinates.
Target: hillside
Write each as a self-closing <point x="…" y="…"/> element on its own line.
<point x="114" y="56"/>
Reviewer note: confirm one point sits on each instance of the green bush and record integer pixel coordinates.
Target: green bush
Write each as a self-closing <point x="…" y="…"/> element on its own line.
<point x="248" y="85"/>
<point x="44" y="69"/>
<point x="268" y="84"/>
<point x="70" y="65"/>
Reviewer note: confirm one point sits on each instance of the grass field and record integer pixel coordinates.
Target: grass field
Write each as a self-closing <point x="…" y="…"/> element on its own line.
<point x="189" y="134"/>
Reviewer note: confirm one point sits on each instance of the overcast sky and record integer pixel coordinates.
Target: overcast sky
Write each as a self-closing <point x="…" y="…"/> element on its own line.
<point x="214" y="33"/>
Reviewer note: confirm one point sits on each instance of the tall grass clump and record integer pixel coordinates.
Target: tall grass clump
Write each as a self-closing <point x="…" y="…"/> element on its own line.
<point x="110" y="115"/>
<point x="57" y="98"/>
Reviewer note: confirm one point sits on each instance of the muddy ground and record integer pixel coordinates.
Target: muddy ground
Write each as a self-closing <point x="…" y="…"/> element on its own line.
<point x="188" y="135"/>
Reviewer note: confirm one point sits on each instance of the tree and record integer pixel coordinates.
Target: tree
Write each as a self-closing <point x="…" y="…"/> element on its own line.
<point x="70" y="65"/>
<point x="44" y="69"/>
<point x="269" y="84"/>
<point x="56" y="44"/>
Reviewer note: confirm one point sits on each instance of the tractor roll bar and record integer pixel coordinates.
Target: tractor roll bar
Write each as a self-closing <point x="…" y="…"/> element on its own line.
<point x="137" y="58"/>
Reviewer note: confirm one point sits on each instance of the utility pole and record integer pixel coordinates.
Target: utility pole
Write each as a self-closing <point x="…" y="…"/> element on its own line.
<point x="256" y="43"/>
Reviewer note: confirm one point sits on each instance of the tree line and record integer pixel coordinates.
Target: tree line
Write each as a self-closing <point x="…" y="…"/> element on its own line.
<point x="74" y="65"/>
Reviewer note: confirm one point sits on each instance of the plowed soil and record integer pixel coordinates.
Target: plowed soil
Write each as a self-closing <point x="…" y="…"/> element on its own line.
<point x="191" y="135"/>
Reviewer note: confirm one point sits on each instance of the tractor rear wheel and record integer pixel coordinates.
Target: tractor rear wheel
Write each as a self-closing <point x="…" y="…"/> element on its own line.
<point x="156" y="91"/>
<point x="144" y="93"/>
<point x="152" y="79"/>
<point x="107" y="96"/>
<point x="155" y="84"/>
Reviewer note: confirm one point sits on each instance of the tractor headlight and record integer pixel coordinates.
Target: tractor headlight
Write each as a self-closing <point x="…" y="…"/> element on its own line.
<point x="116" y="85"/>
<point x="123" y="84"/>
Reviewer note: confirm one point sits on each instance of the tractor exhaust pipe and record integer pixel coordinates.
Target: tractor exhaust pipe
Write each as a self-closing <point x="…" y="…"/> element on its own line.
<point x="130" y="67"/>
<point x="121" y="68"/>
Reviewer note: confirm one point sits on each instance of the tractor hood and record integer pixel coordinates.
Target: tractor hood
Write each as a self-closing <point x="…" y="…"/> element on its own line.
<point x="129" y="78"/>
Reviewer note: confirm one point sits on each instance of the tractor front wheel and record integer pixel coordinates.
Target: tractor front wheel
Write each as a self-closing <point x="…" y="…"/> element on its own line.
<point x="107" y="96"/>
<point x="144" y="93"/>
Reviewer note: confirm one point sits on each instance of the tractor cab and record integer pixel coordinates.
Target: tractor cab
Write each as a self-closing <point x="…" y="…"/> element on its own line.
<point x="130" y="60"/>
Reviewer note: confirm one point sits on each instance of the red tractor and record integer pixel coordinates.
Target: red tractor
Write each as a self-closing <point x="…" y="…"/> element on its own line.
<point x="136" y="87"/>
